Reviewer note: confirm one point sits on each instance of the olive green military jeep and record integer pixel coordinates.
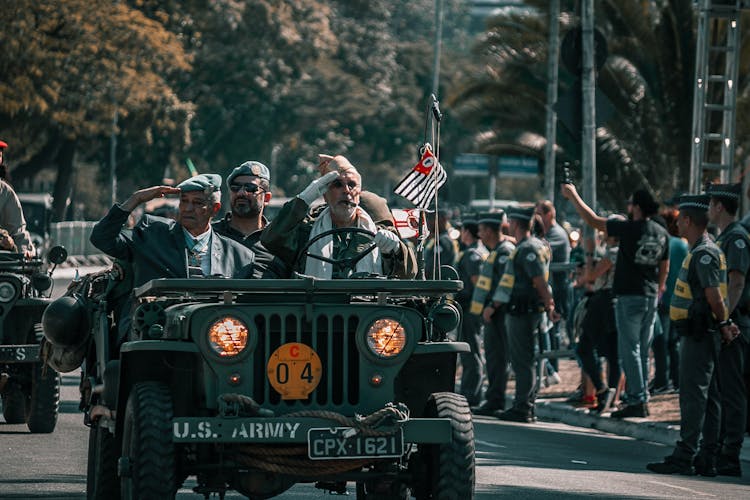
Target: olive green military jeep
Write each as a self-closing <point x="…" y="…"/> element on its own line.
<point x="255" y="385"/>
<point x="30" y="390"/>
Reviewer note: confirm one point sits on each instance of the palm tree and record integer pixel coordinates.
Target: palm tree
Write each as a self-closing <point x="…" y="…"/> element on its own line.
<point x="648" y="77"/>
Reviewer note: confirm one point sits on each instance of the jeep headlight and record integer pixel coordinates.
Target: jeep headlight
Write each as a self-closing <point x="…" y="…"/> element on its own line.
<point x="7" y="291"/>
<point x="228" y="337"/>
<point x="386" y="338"/>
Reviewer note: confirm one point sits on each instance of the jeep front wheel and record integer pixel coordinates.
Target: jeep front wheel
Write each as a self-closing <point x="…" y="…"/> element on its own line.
<point x="447" y="469"/>
<point x="101" y="473"/>
<point x="148" y="465"/>
<point x="45" y="399"/>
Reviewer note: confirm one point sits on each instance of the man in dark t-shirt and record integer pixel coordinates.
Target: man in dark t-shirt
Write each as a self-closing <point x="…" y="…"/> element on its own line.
<point x="640" y="277"/>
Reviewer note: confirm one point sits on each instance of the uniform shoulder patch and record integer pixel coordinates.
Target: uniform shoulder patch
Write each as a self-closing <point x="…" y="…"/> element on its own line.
<point x="740" y="243"/>
<point x="531" y="256"/>
<point x="503" y="259"/>
<point x="705" y="259"/>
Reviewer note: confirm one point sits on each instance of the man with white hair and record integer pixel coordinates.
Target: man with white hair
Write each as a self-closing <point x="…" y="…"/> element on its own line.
<point x="344" y="250"/>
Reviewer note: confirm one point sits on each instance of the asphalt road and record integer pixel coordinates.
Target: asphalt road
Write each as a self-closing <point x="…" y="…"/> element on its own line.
<point x="543" y="460"/>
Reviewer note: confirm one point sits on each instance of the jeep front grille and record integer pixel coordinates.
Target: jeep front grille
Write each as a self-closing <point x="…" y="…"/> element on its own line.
<point x="332" y="337"/>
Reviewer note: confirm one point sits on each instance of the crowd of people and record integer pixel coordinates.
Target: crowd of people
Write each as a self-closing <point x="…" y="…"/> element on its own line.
<point x="650" y="281"/>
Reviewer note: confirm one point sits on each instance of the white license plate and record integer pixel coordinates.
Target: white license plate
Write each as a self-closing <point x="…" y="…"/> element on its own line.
<point x="344" y="442"/>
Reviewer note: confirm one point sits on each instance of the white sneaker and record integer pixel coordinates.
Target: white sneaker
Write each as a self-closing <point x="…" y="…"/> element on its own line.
<point x="553" y="379"/>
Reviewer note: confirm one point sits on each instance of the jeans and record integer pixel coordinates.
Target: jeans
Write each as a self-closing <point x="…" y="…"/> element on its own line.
<point x="634" y="316"/>
<point x="665" y="346"/>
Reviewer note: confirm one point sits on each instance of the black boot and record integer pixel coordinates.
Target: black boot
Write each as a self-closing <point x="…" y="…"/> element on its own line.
<point x="728" y="466"/>
<point x="670" y="465"/>
<point x="635" y="410"/>
<point x="705" y="464"/>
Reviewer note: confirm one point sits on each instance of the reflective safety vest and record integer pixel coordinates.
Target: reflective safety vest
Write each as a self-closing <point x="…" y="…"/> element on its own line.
<point x="504" y="290"/>
<point x="687" y="289"/>
<point x="497" y="257"/>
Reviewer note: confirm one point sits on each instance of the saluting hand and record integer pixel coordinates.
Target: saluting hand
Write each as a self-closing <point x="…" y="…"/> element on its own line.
<point x="148" y="194"/>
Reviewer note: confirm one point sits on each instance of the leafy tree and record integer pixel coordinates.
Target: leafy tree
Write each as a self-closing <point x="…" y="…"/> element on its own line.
<point x="67" y="66"/>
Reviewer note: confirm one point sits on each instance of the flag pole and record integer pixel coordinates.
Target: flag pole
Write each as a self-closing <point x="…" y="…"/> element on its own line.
<point x="436" y="117"/>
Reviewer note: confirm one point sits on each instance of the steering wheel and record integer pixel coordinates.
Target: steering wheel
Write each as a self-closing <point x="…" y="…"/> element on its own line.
<point x="349" y="263"/>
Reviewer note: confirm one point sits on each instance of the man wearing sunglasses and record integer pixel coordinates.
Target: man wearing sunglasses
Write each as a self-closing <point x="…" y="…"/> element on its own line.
<point x="296" y="225"/>
<point x="249" y="192"/>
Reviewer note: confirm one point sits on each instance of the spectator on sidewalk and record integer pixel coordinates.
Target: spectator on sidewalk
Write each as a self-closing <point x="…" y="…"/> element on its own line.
<point x="734" y="241"/>
<point x="700" y="314"/>
<point x="525" y="293"/>
<point x="559" y="242"/>
<point x="599" y="336"/>
<point x="640" y="277"/>
<point x="495" y="336"/>
<point x="470" y="261"/>
<point x="665" y="345"/>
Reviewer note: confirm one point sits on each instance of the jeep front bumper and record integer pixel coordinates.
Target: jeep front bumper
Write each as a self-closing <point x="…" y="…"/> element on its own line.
<point x="290" y="430"/>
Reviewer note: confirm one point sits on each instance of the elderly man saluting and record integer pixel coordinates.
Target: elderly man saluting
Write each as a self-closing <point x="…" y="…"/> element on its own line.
<point x="334" y="256"/>
<point x="163" y="248"/>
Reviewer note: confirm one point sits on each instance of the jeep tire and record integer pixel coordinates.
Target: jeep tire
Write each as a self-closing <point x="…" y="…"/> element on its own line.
<point x="102" y="482"/>
<point x="148" y="464"/>
<point x="14" y="405"/>
<point x="45" y="399"/>
<point x="448" y="468"/>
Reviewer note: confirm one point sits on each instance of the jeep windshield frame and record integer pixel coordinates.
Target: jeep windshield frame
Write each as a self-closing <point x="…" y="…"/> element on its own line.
<point x="178" y="287"/>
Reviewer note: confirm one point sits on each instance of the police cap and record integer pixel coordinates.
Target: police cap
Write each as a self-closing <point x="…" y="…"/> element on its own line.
<point x="519" y="213"/>
<point x="730" y="191"/>
<point x="694" y="201"/>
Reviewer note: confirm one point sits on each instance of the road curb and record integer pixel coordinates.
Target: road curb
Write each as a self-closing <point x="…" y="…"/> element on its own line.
<point x="638" y="428"/>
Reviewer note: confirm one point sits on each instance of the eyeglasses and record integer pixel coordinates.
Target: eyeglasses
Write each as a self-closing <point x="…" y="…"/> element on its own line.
<point x="248" y="187"/>
<point x="338" y="184"/>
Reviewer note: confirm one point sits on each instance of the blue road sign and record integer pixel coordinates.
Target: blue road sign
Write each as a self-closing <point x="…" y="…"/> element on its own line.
<point x="479" y="165"/>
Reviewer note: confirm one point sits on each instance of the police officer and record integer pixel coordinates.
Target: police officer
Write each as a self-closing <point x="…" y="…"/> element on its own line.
<point x="734" y="241"/>
<point x="495" y="337"/>
<point x="526" y="294"/>
<point x="441" y="243"/>
<point x="700" y="315"/>
<point x="468" y="267"/>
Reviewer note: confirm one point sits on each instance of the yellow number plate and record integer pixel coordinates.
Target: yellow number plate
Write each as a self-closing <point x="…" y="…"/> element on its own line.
<point x="294" y="370"/>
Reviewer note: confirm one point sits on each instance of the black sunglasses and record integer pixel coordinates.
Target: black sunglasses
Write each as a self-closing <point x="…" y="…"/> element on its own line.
<point x="248" y="187"/>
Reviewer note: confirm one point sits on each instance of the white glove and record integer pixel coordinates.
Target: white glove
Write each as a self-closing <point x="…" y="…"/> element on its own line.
<point x="386" y="241"/>
<point x="317" y="187"/>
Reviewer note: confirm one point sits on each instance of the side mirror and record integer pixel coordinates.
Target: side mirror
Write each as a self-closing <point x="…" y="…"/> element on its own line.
<point x="57" y="255"/>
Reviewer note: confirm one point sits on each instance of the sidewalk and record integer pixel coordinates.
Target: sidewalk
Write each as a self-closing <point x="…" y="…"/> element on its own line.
<point x="662" y="426"/>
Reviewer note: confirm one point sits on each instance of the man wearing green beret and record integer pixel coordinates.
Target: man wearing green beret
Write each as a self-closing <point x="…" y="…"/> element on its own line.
<point x="164" y="248"/>
<point x="249" y="192"/>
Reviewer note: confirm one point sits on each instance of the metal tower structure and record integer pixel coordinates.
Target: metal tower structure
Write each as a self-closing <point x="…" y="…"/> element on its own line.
<point x="715" y="91"/>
